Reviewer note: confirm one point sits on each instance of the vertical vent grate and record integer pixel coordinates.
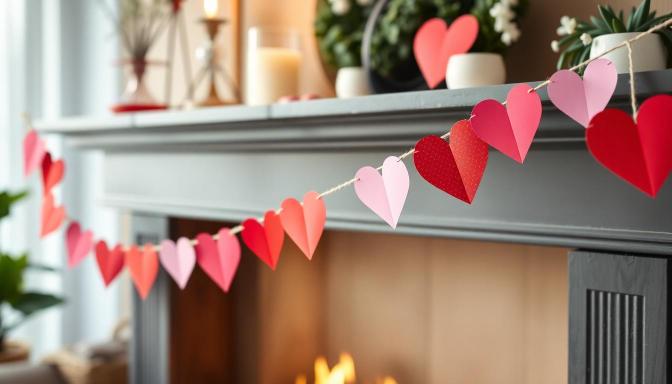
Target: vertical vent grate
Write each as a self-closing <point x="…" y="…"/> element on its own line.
<point x="615" y="338"/>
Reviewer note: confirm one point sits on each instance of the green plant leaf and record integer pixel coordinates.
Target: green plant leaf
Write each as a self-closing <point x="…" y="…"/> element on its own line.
<point x="640" y="14"/>
<point x="11" y="276"/>
<point x="29" y="303"/>
<point x="617" y="25"/>
<point x="8" y="199"/>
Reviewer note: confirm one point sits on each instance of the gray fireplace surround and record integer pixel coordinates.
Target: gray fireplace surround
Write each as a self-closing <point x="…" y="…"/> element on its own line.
<point x="231" y="163"/>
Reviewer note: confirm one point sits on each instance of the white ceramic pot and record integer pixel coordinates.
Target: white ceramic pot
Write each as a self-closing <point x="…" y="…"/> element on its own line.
<point x="475" y="70"/>
<point x="351" y="82"/>
<point x="648" y="53"/>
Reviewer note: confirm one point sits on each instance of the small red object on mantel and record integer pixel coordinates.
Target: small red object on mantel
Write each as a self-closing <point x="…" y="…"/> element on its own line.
<point x="124" y="108"/>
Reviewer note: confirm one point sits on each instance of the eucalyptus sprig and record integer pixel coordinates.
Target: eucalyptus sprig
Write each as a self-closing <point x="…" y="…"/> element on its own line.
<point x="575" y="45"/>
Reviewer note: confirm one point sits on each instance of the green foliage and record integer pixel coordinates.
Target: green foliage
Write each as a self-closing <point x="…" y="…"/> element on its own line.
<point x="12" y="269"/>
<point x="641" y="18"/>
<point x="340" y="36"/>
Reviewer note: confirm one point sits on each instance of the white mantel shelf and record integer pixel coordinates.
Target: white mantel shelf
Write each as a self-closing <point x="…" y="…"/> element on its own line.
<point x="251" y="158"/>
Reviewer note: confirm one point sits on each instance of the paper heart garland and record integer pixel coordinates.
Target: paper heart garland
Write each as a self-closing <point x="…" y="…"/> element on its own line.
<point x="582" y="99"/>
<point x="33" y="152"/>
<point x="639" y="153"/>
<point x="384" y="195"/>
<point x="52" y="216"/>
<point x="304" y="223"/>
<point x="456" y="167"/>
<point x="178" y="259"/>
<point x="52" y="172"/>
<point x="143" y="266"/>
<point x="435" y="43"/>
<point x="229" y="254"/>
<point x="264" y="240"/>
<point x="78" y="243"/>
<point x="218" y="259"/>
<point x="509" y="129"/>
<point x="110" y="263"/>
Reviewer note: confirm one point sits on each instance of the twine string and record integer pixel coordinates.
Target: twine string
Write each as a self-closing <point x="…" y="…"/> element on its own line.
<point x="633" y="97"/>
<point x="239" y="228"/>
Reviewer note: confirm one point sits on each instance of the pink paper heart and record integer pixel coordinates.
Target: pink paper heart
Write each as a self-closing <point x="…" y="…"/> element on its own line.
<point x="509" y="129"/>
<point x="582" y="99"/>
<point x="218" y="259"/>
<point x="78" y="243"/>
<point x="384" y="195"/>
<point x="435" y="42"/>
<point x="33" y="152"/>
<point x="178" y="259"/>
<point x="229" y="254"/>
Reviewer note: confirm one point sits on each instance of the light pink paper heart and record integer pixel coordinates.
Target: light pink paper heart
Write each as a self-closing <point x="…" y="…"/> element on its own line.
<point x="384" y="195"/>
<point x="33" y="152"/>
<point x="178" y="259"/>
<point x="582" y="99"/>
<point x="78" y="243"/>
<point x="229" y="254"/>
<point x="509" y="129"/>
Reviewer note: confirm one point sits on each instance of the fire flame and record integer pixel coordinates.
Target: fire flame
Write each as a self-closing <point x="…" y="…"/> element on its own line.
<point x="210" y="8"/>
<point x="341" y="373"/>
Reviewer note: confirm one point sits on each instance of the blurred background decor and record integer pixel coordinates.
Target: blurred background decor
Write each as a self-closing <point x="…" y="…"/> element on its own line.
<point x="16" y="303"/>
<point x="580" y="40"/>
<point x="339" y="29"/>
<point x="139" y="24"/>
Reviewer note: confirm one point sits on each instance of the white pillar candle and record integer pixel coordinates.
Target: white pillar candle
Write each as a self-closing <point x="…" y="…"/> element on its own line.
<point x="272" y="72"/>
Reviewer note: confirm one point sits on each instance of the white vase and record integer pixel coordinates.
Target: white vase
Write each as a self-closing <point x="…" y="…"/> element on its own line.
<point x="475" y="70"/>
<point x="351" y="82"/>
<point x="648" y="53"/>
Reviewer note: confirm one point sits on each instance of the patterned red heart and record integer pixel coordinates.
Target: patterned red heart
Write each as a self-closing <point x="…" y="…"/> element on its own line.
<point x="52" y="172"/>
<point x="265" y="240"/>
<point x="638" y="153"/>
<point x="455" y="168"/>
<point x="110" y="263"/>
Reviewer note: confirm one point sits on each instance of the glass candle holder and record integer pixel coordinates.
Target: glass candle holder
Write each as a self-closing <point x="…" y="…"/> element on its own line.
<point x="273" y="64"/>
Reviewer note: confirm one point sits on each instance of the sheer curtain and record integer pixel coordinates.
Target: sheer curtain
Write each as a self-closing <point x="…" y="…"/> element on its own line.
<point x="56" y="60"/>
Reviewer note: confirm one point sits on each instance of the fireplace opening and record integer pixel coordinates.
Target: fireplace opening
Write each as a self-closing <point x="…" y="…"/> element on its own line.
<point x="408" y="308"/>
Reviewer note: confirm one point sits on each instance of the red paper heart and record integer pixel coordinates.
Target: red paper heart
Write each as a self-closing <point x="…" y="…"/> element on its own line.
<point x="509" y="129"/>
<point x="639" y="153"/>
<point x="435" y="43"/>
<point x="304" y="223"/>
<point x="109" y="262"/>
<point x="455" y="168"/>
<point x="52" y="216"/>
<point x="78" y="243"/>
<point x="143" y="266"/>
<point x="52" y="172"/>
<point x="265" y="241"/>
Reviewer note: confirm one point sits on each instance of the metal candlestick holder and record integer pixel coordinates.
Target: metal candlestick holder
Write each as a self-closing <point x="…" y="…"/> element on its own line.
<point x="209" y="55"/>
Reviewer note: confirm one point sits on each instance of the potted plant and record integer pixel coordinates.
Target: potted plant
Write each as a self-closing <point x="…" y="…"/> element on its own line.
<point x="388" y="40"/>
<point x="16" y="303"/>
<point x="582" y="40"/>
<point x="339" y="27"/>
<point x="498" y="30"/>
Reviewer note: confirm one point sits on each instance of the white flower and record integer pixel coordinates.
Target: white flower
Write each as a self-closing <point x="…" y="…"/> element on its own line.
<point x="340" y="7"/>
<point x="501" y="24"/>
<point x="510" y="3"/>
<point x="501" y="11"/>
<point x="511" y="34"/>
<point x="364" y="3"/>
<point x="567" y="26"/>
<point x="586" y="39"/>
<point x="555" y="46"/>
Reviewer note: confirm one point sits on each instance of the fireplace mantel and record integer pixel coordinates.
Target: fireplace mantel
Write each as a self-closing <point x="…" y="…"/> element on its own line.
<point x="231" y="163"/>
